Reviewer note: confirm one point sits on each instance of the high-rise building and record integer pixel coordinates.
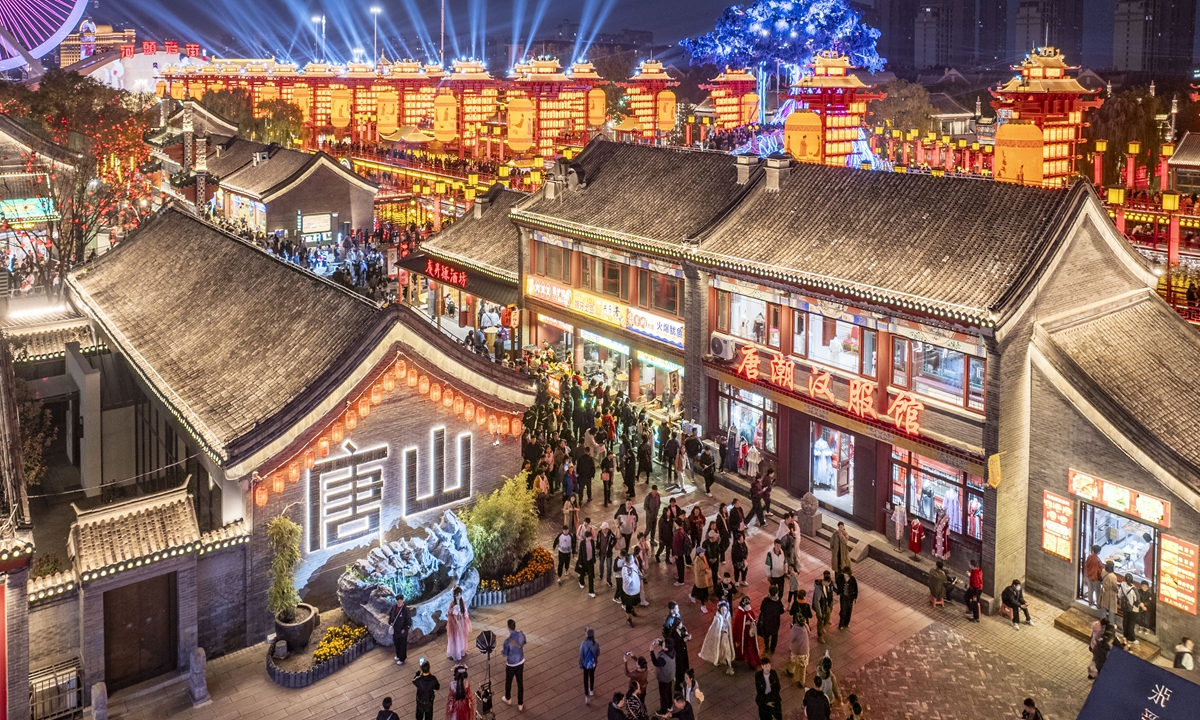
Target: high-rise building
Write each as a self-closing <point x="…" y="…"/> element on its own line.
<point x="1172" y="28"/>
<point x="933" y="31"/>
<point x="921" y="34"/>
<point x="92" y="39"/>
<point x="1131" y="26"/>
<point x="1057" y="23"/>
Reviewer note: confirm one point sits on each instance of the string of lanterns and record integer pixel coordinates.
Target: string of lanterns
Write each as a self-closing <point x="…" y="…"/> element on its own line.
<point x="401" y="372"/>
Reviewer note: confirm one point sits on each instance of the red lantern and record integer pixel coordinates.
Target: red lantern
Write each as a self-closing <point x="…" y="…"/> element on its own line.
<point x="376" y="394"/>
<point x="364" y="407"/>
<point x="492" y="422"/>
<point x="351" y="420"/>
<point x="423" y="385"/>
<point x="260" y="495"/>
<point x="448" y="397"/>
<point x="469" y="412"/>
<point x="516" y="426"/>
<point x="294" y="472"/>
<point x="481" y="416"/>
<point x="503" y="425"/>
<point x="412" y="378"/>
<point x="435" y="392"/>
<point x="389" y="382"/>
<point x="323" y="447"/>
<point x="277" y="483"/>
<point x="336" y="433"/>
<point x="310" y="459"/>
<point x="400" y="370"/>
<point x="459" y="404"/>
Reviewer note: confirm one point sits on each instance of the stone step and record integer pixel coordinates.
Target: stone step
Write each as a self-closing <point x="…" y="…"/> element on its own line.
<point x="1078" y="623"/>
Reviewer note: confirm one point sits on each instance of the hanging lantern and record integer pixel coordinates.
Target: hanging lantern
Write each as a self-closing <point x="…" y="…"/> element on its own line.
<point x="310" y="459"/>
<point x="516" y="426"/>
<point x="459" y="404"/>
<point x="492" y="423"/>
<point x="412" y="378"/>
<point x="260" y="495"/>
<point x="481" y="416"/>
<point x="469" y="411"/>
<point x="364" y="407"/>
<point x="448" y="397"/>
<point x="400" y="370"/>
<point x="293" y="472"/>
<point x="423" y="385"/>
<point x="376" y="394"/>
<point x="277" y="483"/>
<point x="389" y="382"/>
<point x="435" y="392"/>
<point x="503" y="425"/>
<point x="337" y="434"/>
<point x="323" y="447"/>
<point x="351" y="420"/>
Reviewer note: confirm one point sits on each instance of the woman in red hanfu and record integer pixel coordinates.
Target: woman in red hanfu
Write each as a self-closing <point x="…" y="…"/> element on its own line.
<point x="745" y="634"/>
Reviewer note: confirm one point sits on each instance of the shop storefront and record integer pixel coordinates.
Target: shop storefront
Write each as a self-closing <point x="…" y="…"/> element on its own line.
<point x="459" y="300"/>
<point x="559" y="336"/>
<point x="605" y="361"/>
<point x="747" y="419"/>
<point x="927" y="489"/>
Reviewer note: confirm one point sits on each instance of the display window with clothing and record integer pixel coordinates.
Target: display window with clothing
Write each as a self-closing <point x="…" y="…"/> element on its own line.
<point x="748" y="420"/>
<point x="927" y="487"/>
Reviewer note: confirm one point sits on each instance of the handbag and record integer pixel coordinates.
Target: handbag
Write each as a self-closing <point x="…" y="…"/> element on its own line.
<point x="699" y="695"/>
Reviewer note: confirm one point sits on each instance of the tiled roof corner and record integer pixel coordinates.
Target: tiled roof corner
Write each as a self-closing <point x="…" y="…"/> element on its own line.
<point x="120" y="536"/>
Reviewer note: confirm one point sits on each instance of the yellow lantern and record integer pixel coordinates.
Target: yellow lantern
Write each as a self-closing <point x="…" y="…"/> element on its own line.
<point x="336" y="433"/>
<point x="445" y="117"/>
<point x="665" y="104"/>
<point x="1116" y="196"/>
<point x="387" y="112"/>
<point x="412" y="378"/>
<point x="1135" y="147"/>
<point x="597" y="104"/>
<point x="1101" y="146"/>
<point x="340" y="100"/>
<point x="364" y="407"/>
<point x="435" y="392"/>
<point x="520" y="124"/>
<point x="1170" y="201"/>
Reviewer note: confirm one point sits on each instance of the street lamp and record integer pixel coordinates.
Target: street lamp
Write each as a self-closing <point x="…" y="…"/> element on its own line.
<point x="375" y="10"/>
<point x="320" y="19"/>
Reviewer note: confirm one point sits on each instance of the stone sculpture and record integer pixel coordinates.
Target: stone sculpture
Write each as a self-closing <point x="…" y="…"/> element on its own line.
<point x="416" y="567"/>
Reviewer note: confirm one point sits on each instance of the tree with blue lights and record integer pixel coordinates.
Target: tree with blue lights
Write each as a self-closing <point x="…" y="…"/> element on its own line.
<point x="787" y="32"/>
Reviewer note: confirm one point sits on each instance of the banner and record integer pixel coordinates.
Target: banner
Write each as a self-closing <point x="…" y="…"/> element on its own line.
<point x="445" y="117"/>
<point x="665" y="108"/>
<point x="520" y="124"/>
<point x="1130" y="688"/>
<point x="340" y="100"/>
<point x="597" y="104"/>
<point x="387" y="112"/>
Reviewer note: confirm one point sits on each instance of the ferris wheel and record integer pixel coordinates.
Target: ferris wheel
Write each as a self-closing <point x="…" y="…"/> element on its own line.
<point x="30" y="29"/>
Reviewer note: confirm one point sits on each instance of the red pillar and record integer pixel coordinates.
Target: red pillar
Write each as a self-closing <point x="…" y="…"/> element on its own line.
<point x="1129" y="170"/>
<point x="1173" y="241"/>
<point x="1098" y="169"/>
<point x="1120" y="220"/>
<point x="1162" y="174"/>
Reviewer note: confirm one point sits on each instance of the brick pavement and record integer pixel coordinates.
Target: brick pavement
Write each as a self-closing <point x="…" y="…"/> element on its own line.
<point x="904" y="658"/>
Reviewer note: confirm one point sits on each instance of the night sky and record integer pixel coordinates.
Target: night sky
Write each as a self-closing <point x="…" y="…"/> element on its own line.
<point x="284" y="27"/>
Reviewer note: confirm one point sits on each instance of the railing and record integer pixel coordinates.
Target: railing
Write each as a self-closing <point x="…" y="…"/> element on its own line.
<point x="56" y="692"/>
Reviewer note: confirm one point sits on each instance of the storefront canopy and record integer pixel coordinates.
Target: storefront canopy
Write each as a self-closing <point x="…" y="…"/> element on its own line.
<point x="478" y="283"/>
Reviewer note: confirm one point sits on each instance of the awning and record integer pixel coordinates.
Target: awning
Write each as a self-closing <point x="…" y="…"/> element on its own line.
<point x="407" y="134"/>
<point x="477" y="283"/>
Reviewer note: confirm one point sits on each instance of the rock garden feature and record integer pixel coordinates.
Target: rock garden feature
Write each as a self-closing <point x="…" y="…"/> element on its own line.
<point x="425" y="570"/>
<point x="503" y="528"/>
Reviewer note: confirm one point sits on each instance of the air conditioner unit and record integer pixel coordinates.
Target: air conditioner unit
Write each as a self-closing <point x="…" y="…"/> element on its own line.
<point x="722" y="347"/>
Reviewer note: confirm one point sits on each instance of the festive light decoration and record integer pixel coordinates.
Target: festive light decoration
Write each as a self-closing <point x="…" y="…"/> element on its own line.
<point x="310" y="459"/>
<point x="323" y="447"/>
<point x="502" y="425"/>
<point x="481" y="417"/>
<point x="788" y="32"/>
<point x="260" y="495"/>
<point x="448" y="397"/>
<point x="389" y="382"/>
<point x="435" y="392"/>
<point x="412" y="378"/>
<point x="400" y="370"/>
<point x="336" y="433"/>
<point x="364" y="407"/>
<point x="459" y="405"/>
<point x="351" y="420"/>
<point x="277" y="483"/>
<point x="293" y="472"/>
<point x="423" y="385"/>
<point x="468" y="412"/>
<point x="377" y="394"/>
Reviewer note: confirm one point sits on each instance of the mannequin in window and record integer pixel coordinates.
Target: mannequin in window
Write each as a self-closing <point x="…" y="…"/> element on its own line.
<point x="731" y="449"/>
<point x="822" y="463"/>
<point x="941" y="536"/>
<point x="953" y="508"/>
<point x="927" y="501"/>
<point x="975" y="517"/>
<point x="760" y="328"/>
<point x="753" y="458"/>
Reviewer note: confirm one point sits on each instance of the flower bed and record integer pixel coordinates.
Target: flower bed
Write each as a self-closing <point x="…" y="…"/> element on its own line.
<point x="341" y="645"/>
<point x="536" y="574"/>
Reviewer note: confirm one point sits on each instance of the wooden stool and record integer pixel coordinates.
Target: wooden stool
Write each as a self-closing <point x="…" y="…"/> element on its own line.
<point x="936" y="602"/>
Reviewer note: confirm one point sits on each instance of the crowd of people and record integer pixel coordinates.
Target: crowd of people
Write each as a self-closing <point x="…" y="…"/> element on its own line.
<point x="425" y="159"/>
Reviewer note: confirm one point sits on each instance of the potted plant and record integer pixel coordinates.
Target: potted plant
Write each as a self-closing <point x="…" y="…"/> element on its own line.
<point x="294" y="620"/>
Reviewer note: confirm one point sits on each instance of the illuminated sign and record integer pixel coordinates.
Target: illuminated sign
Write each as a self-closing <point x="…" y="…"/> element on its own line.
<point x="345" y="498"/>
<point x="1058" y="519"/>
<point x="126" y="51"/>
<point x="548" y="291"/>
<point x="749" y="365"/>
<point x="598" y="307"/>
<point x="172" y="47"/>
<point x="445" y="273"/>
<point x="818" y="384"/>
<point x="555" y="323"/>
<point x="149" y="47"/>
<point x="603" y="341"/>
<point x="311" y="224"/>
<point x="905" y="410"/>
<point x="648" y="359"/>
<point x="554" y="386"/>
<point x="192" y="49"/>
<point x="418" y="496"/>
<point x="27" y="210"/>
<point x="783" y="372"/>
<point x="862" y="399"/>
<point x="1119" y="498"/>
<point x="654" y="326"/>
<point x="1177" y="573"/>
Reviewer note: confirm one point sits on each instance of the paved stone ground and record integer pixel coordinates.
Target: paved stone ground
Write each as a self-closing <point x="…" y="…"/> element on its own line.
<point x="903" y="658"/>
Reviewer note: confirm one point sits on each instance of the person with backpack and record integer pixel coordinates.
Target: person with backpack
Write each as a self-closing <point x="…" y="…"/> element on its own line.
<point x="401" y="621"/>
<point x="1183" y="654"/>
<point x="589" y="655"/>
<point x="427" y="686"/>
<point x="662" y="657"/>
<point x="388" y="714"/>
<point x="1131" y="605"/>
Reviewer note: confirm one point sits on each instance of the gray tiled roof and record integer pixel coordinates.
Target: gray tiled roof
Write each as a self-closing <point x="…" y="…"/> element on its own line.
<point x="1187" y="153"/>
<point x="949" y="243"/>
<point x="946" y="105"/>
<point x="663" y="194"/>
<point x="226" y="158"/>
<point x="132" y="530"/>
<point x="281" y="166"/>
<point x="1138" y="364"/>
<point x="490" y="241"/>
<point x="228" y="336"/>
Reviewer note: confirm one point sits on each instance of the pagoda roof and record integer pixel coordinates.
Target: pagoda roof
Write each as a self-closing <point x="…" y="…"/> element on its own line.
<point x="1021" y="85"/>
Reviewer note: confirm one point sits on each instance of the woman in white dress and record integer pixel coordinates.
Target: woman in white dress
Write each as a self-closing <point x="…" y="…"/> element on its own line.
<point x="753" y="458"/>
<point x="458" y="627"/>
<point x="718" y="643"/>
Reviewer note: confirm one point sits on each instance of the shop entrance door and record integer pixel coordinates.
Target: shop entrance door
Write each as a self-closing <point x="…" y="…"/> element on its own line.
<point x="833" y="468"/>
<point x="1131" y="545"/>
<point x="140" y="631"/>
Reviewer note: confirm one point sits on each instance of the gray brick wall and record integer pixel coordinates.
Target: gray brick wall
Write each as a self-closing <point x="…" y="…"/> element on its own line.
<point x="53" y="630"/>
<point x="323" y="191"/>
<point x="221" y="600"/>
<point x="1087" y="272"/>
<point x="16" y="610"/>
<point x="403" y="420"/>
<point x="1063" y="439"/>
<point x="695" y="317"/>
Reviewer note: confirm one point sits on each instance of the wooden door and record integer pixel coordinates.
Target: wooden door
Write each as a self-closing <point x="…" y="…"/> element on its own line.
<point x="140" y="631"/>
